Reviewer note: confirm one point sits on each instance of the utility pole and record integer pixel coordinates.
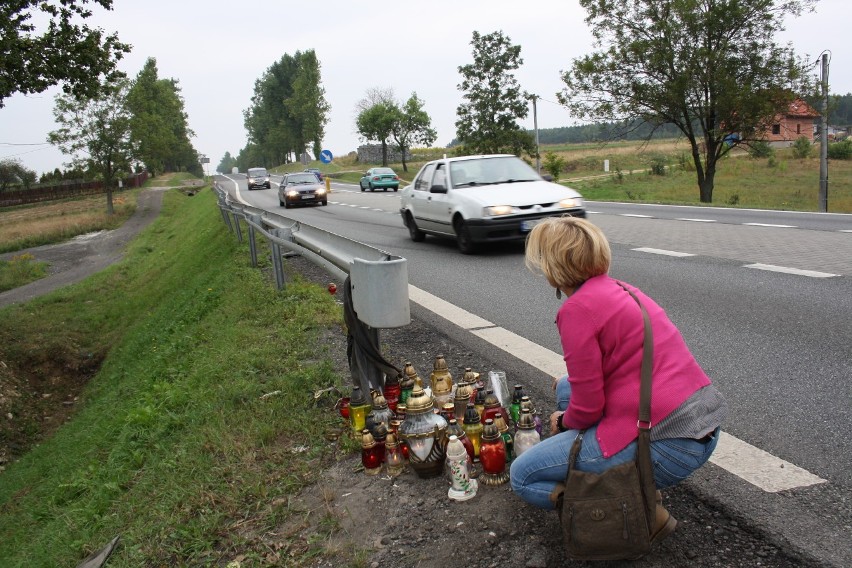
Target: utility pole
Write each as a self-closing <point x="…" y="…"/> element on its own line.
<point x="823" y="139"/>
<point x="535" y="126"/>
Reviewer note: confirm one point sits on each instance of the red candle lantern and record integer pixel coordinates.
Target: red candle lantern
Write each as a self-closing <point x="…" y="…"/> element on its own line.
<point x="492" y="456"/>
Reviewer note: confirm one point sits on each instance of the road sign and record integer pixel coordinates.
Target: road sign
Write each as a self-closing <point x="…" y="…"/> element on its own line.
<point x="326" y="157"/>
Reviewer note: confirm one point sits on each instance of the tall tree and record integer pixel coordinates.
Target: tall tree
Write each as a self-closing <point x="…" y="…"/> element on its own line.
<point x="487" y="121"/>
<point x="96" y="133"/>
<point x="377" y="123"/>
<point x="227" y="163"/>
<point x="710" y="67"/>
<point x="412" y="126"/>
<point x="158" y="125"/>
<point x="67" y="52"/>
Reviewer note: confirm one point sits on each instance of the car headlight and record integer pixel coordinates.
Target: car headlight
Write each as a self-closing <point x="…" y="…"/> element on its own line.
<point x="320" y="191"/>
<point x="570" y="203"/>
<point x="495" y="210"/>
<point x="292" y="193"/>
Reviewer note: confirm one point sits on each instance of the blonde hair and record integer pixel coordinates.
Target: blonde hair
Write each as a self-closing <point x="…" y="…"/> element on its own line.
<point x="568" y="251"/>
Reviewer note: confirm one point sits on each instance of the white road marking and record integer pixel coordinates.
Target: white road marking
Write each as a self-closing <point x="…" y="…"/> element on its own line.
<point x="748" y="462"/>
<point x="665" y="252"/>
<point x="846" y="230"/>
<point x="637" y="215"/>
<point x="770" y="225"/>
<point x="697" y="220"/>
<point x="786" y="270"/>
<point x="760" y="468"/>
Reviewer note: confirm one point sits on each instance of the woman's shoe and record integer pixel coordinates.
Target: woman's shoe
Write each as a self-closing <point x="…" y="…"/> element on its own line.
<point x="664" y="523"/>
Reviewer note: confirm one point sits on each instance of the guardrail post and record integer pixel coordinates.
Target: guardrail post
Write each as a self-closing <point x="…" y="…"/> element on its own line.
<point x="252" y="241"/>
<point x="239" y="229"/>
<point x="277" y="261"/>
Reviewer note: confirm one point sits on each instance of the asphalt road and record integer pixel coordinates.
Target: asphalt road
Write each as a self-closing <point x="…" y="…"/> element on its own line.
<point x="763" y="298"/>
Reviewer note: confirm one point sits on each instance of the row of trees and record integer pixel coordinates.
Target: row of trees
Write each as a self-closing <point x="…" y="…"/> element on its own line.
<point x="128" y="124"/>
<point x="382" y="118"/>
<point x="108" y="124"/>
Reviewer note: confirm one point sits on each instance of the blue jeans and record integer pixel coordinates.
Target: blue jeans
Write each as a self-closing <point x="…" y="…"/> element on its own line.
<point x="537" y="473"/>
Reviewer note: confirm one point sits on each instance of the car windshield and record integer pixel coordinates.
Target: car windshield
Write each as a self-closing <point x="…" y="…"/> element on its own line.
<point x="490" y="171"/>
<point x="296" y="179"/>
<point x="256" y="173"/>
<point x="383" y="171"/>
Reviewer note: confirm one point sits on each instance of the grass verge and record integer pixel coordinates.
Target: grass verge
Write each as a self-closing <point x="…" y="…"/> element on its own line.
<point x="42" y="224"/>
<point x="19" y="270"/>
<point x="199" y="422"/>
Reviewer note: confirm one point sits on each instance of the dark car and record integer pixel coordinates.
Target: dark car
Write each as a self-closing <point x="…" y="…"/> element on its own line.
<point x="381" y="178"/>
<point x="316" y="172"/>
<point x="301" y="188"/>
<point x="258" y="177"/>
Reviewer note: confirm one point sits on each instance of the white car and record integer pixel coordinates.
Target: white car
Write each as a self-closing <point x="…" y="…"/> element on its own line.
<point x="478" y="199"/>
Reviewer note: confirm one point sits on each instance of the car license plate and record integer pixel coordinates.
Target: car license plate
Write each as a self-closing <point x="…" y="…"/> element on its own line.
<point x="527" y="226"/>
<point x="307" y="197"/>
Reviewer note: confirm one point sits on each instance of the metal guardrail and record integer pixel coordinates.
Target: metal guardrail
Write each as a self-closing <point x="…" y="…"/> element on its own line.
<point x="378" y="279"/>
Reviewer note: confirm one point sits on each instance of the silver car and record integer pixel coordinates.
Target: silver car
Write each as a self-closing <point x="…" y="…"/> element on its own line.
<point x="258" y="177"/>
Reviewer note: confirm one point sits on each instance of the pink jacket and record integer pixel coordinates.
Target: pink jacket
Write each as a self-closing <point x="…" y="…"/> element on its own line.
<point x="601" y="330"/>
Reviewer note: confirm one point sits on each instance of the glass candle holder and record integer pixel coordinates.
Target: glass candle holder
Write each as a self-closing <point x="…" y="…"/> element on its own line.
<point x="392" y="391"/>
<point x="492" y="456"/>
<point x="409" y="379"/>
<point x="526" y="436"/>
<point x="359" y="407"/>
<point x="394" y="460"/>
<point x="423" y="432"/>
<point x="473" y="428"/>
<point x="370" y="458"/>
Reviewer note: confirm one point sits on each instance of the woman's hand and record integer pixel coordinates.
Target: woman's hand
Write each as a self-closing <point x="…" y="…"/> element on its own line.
<point x="555" y="418"/>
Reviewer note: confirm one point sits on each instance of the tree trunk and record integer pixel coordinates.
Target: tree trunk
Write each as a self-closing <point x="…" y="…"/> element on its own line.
<point x="404" y="166"/>
<point x="384" y="153"/>
<point x="110" y="209"/>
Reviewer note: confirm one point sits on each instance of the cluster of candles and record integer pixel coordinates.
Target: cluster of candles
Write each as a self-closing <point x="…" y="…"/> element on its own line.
<point x="461" y="430"/>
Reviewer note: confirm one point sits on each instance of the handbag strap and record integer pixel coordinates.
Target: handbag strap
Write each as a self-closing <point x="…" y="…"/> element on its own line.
<point x="643" y="424"/>
<point x="643" y="452"/>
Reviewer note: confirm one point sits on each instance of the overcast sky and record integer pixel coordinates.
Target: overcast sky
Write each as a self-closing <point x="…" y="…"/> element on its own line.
<point x="216" y="50"/>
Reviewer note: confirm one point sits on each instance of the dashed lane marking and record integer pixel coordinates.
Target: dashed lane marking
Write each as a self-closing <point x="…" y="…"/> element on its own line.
<point x="664" y="252"/>
<point x="786" y="270"/>
<point x="770" y="225"/>
<point x="740" y="458"/>
<point x="697" y="220"/>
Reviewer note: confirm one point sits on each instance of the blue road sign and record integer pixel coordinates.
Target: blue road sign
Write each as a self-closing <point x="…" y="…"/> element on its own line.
<point x="325" y="157"/>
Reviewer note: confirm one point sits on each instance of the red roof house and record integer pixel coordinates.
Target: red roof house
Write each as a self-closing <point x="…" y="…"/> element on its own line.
<point x="798" y="121"/>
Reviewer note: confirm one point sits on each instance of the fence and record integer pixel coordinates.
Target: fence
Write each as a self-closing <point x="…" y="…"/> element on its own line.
<point x="64" y="190"/>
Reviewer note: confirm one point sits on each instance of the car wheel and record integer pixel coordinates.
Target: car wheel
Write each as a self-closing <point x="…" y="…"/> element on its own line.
<point x="463" y="238"/>
<point x="362" y="187"/>
<point x="416" y="234"/>
<point x="286" y="205"/>
<point x="396" y="188"/>
<point x="281" y="203"/>
<point x="324" y="202"/>
<point x="371" y="187"/>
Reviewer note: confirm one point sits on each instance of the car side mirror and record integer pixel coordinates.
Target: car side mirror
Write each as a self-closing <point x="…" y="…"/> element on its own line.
<point x="438" y="188"/>
<point x="547" y="177"/>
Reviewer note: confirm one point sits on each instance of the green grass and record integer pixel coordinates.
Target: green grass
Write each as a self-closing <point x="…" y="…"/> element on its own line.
<point x="172" y="445"/>
<point x="782" y="184"/>
<point x="19" y="270"/>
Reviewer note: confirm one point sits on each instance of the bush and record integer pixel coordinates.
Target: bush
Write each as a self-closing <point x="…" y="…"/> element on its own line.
<point x="553" y="164"/>
<point x="802" y="148"/>
<point x="840" y="150"/>
<point x="760" y="149"/>
<point x="658" y="165"/>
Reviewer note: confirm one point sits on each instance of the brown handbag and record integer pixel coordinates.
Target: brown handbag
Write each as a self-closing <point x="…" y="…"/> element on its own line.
<point x="609" y="516"/>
